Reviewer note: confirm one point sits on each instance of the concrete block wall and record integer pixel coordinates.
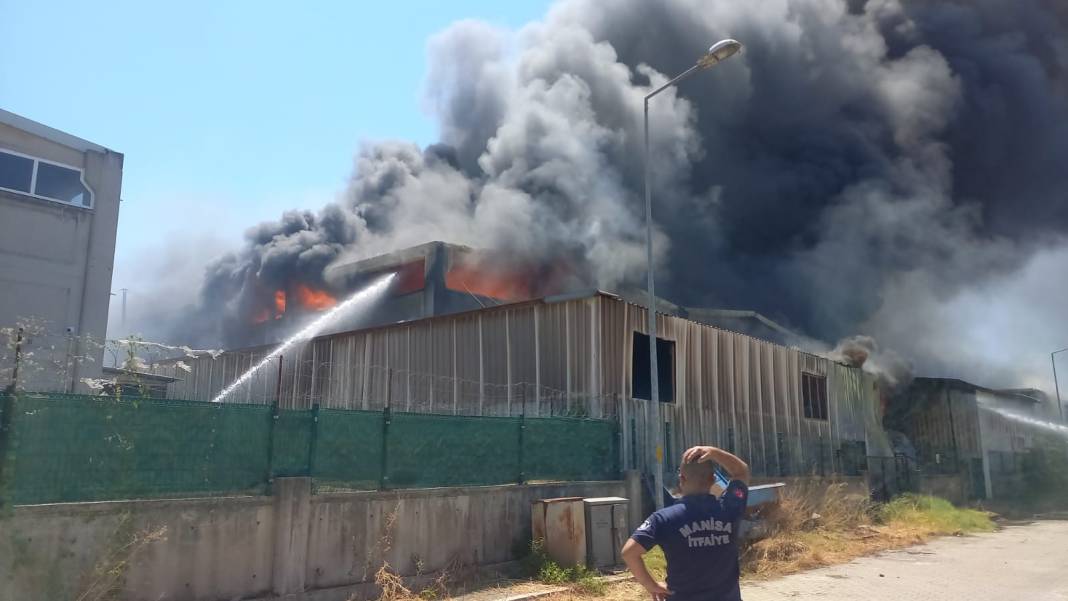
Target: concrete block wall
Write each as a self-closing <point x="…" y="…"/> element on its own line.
<point x="292" y="545"/>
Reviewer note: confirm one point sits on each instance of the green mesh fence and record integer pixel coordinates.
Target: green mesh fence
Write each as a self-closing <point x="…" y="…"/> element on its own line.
<point x="445" y="450"/>
<point x="569" y="449"/>
<point x="348" y="451"/>
<point x="65" y="448"/>
<point x="73" y="448"/>
<point x="292" y="443"/>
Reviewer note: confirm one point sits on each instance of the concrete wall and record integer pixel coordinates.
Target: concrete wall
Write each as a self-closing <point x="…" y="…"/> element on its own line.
<point x="329" y="545"/>
<point x="56" y="262"/>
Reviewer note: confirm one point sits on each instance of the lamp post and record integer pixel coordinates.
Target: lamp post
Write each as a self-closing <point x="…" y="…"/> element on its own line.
<point x="1056" y="386"/>
<point x="719" y="51"/>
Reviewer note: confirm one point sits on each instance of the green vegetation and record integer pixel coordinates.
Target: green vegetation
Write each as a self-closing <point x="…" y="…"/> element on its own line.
<point x="934" y="515"/>
<point x="539" y="566"/>
<point x="656" y="563"/>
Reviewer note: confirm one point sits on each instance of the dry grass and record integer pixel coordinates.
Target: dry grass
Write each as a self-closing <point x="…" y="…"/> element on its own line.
<point x="106" y="580"/>
<point x="391" y="585"/>
<point x="819" y="525"/>
<point x="815" y="525"/>
<point x="812" y="526"/>
<point x="811" y="529"/>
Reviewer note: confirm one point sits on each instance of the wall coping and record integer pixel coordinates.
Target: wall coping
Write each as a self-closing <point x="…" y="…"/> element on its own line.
<point x="103" y="507"/>
<point x="234" y="502"/>
<point x="416" y="493"/>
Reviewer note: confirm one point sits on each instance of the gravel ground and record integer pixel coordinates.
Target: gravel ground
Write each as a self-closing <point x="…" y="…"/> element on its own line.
<point x="1019" y="563"/>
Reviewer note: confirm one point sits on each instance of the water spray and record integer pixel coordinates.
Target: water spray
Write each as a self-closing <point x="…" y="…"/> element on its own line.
<point x="1027" y="420"/>
<point x="310" y="330"/>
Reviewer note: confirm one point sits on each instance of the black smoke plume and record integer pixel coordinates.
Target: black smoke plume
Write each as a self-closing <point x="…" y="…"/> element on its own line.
<point x="879" y="167"/>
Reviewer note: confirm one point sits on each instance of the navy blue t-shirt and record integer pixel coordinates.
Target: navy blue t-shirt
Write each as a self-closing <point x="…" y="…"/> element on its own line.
<point x="699" y="536"/>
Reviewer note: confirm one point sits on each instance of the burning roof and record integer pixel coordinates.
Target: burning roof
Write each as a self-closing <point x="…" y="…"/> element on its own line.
<point x="435" y="278"/>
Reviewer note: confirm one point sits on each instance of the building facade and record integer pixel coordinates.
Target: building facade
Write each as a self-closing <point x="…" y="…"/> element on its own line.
<point x="785" y="411"/>
<point x="59" y="210"/>
<point x="961" y="428"/>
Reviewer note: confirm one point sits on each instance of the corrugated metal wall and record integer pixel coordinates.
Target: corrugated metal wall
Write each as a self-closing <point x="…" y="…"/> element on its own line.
<point x="573" y="358"/>
<point x="741" y="394"/>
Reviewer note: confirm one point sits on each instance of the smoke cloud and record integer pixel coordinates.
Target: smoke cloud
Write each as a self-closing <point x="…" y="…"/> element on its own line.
<point x="888" y="168"/>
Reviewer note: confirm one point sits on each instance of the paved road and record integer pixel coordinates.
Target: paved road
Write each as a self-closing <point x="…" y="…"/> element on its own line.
<point x="1019" y="563"/>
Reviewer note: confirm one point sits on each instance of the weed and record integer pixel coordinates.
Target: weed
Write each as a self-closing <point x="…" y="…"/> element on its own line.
<point x="538" y="565"/>
<point x="933" y="515"/>
<point x="815" y="526"/>
<point x="106" y="579"/>
<point x="390" y="585"/>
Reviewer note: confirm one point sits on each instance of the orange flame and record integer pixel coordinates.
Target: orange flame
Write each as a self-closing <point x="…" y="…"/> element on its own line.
<point x="311" y="298"/>
<point x="279" y="303"/>
<point x="490" y="283"/>
<point x="262" y="316"/>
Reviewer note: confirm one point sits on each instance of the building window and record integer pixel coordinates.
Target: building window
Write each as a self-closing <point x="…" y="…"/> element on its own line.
<point x="16" y="173"/>
<point x="665" y="367"/>
<point x="814" y="396"/>
<point x="36" y="177"/>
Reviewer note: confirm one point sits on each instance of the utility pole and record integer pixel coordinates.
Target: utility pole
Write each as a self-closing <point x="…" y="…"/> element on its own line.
<point x="124" y="290"/>
<point x="122" y="322"/>
<point x="1056" y="385"/>
<point x="720" y="51"/>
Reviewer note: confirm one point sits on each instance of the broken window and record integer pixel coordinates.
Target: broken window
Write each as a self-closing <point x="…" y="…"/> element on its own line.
<point x="61" y="183"/>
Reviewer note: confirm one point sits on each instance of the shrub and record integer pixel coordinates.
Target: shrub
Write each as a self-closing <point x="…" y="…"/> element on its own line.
<point x="539" y="565"/>
<point x="938" y="516"/>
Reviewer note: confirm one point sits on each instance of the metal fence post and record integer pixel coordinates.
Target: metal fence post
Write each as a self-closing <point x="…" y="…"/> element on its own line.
<point x="271" y="426"/>
<point x="383" y="482"/>
<point x="18" y="359"/>
<point x="819" y="453"/>
<point x="389" y="387"/>
<point x="522" y="428"/>
<point x="617" y="455"/>
<point x="313" y="443"/>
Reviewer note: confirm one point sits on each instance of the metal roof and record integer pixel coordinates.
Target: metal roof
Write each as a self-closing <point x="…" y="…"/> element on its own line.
<point x="49" y="133"/>
<point x="1023" y="394"/>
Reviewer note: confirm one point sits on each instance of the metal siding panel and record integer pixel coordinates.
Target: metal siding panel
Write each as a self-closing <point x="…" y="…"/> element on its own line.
<point x="552" y="326"/>
<point x="468" y="373"/>
<point x="421" y="379"/>
<point x="397" y="367"/>
<point x="522" y="354"/>
<point x="496" y="334"/>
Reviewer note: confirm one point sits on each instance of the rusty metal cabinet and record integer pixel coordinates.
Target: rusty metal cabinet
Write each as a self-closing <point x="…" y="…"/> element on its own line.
<point x="561" y="526"/>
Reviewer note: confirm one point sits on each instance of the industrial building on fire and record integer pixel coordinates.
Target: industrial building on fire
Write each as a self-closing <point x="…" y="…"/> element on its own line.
<point x="451" y="345"/>
<point x="458" y="335"/>
<point x="959" y="428"/>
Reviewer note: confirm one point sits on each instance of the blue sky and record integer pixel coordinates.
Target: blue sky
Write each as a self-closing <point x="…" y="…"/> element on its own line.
<point x="227" y="112"/>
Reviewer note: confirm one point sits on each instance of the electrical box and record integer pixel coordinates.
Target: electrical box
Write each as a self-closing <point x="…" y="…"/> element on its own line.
<point x="561" y="526"/>
<point x="606" y="530"/>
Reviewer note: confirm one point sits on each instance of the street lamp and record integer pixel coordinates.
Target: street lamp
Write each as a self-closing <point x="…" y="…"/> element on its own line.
<point x="1056" y="387"/>
<point x="719" y="52"/>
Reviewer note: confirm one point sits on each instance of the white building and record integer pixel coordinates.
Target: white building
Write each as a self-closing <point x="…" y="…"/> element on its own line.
<point x="59" y="209"/>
